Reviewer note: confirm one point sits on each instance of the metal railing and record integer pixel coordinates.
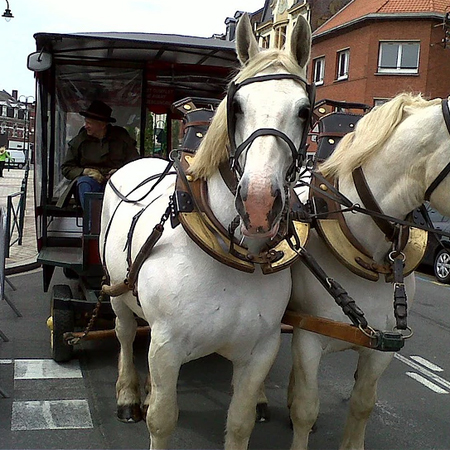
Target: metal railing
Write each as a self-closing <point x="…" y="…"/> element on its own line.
<point x="14" y="219"/>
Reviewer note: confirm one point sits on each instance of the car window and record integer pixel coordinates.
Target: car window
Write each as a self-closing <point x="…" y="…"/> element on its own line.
<point x="439" y="221"/>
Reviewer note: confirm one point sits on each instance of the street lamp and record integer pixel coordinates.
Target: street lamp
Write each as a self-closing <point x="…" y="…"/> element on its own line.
<point x="7" y="14"/>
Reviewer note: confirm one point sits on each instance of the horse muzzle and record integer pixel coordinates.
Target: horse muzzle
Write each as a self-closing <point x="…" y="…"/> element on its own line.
<point x="260" y="206"/>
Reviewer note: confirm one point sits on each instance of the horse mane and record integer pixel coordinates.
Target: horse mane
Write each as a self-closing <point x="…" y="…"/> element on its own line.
<point x="213" y="149"/>
<point x="371" y="133"/>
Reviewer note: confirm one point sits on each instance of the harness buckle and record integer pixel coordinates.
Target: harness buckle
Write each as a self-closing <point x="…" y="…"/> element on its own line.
<point x="390" y="341"/>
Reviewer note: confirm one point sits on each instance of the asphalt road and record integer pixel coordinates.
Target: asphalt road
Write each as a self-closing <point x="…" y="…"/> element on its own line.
<point x="72" y="405"/>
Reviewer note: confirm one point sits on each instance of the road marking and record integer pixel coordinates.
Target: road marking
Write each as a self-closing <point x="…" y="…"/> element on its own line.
<point x="427" y="363"/>
<point x="50" y="415"/>
<point x="428" y="373"/>
<point x="33" y="369"/>
<point x="426" y="383"/>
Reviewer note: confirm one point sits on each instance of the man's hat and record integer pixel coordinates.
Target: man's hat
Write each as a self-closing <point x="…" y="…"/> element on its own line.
<point x="98" y="111"/>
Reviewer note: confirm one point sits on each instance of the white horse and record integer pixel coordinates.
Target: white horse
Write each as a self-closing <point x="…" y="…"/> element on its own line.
<point x="194" y="304"/>
<point x="401" y="146"/>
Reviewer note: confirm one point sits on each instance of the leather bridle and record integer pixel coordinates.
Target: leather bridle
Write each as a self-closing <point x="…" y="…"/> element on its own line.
<point x="298" y="154"/>
<point x="446" y="170"/>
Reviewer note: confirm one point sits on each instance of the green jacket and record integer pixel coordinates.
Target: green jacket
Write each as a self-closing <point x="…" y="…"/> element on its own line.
<point x="115" y="150"/>
<point x="4" y="156"/>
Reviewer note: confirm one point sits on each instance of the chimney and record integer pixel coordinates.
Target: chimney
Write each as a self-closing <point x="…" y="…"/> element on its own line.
<point x="14" y="94"/>
<point x="230" y="23"/>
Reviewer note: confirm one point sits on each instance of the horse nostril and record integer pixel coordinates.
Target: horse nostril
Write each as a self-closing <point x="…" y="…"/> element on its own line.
<point x="276" y="208"/>
<point x="240" y="207"/>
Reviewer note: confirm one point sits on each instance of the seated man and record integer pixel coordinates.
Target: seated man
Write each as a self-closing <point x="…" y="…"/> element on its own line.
<point x="98" y="150"/>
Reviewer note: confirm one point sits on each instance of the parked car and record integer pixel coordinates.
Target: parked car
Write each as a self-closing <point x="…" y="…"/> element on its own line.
<point x="17" y="159"/>
<point x="437" y="254"/>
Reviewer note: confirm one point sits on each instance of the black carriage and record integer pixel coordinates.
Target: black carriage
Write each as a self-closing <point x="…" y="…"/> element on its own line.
<point x="140" y="76"/>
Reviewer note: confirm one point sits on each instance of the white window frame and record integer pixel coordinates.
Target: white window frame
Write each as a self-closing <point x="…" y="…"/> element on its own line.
<point x="343" y="62"/>
<point x="319" y="70"/>
<point x="400" y="48"/>
<point x="380" y="101"/>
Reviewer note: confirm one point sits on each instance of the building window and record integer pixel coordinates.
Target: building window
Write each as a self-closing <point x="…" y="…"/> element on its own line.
<point x="265" y="41"/>
<point x="399" y="57"/>
<point x="343" y="58"/>
<point x="280" y="36"/>
<point x="380" y="101"/>
<point x="319" y="70"/>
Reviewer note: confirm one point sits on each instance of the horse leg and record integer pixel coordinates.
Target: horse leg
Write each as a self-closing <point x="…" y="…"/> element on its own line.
<point x="303" y="394"/>
<point x="371" y="365"/>
<point x="248" y="377"/>
<point x="147" y="390"/>
<point x="162" y="414"/>
<point x="127" y="385"/>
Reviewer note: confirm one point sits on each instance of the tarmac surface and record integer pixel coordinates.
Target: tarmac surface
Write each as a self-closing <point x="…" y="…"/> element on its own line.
<point x="21" y="257"/>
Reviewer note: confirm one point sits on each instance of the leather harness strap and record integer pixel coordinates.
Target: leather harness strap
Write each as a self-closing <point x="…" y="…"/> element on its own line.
<point x="391" y="232"/>
<point x="331" y="328"/>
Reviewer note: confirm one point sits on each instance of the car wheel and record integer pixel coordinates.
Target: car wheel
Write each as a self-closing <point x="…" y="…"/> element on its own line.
<point x="442" y="266"/>
<point x="20" y="166"/>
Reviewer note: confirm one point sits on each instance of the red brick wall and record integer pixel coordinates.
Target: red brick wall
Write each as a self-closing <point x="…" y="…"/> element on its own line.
<point x="364" y="84"/>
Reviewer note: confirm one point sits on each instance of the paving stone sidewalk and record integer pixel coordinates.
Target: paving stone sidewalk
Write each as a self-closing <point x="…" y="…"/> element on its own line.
<point x="11" y="183"/>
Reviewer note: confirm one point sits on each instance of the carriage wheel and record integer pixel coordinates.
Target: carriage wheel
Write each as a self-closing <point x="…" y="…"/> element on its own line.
<point x="63" y="320"/>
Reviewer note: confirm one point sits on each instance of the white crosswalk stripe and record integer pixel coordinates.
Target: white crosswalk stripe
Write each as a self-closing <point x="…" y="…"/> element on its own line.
<point x="43" y="414"/>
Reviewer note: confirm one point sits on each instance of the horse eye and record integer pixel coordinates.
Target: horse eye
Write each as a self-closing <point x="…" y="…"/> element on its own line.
<point x="237" y="107"/>
<point x="303" y="113"/>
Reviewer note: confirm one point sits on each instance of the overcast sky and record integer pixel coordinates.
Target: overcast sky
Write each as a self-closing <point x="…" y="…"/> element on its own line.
<point x="189" y="17"/>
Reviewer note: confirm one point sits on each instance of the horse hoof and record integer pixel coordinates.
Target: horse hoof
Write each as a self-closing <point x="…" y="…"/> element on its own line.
<point x="129" y="413"/>
<point x="262" y="412"/>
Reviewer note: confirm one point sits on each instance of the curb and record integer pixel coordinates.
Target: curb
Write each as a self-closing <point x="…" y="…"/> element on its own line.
<point x="22" y="267"/>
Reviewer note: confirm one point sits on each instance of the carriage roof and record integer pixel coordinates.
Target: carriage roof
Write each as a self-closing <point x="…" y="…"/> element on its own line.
<point x="188" y="65"/>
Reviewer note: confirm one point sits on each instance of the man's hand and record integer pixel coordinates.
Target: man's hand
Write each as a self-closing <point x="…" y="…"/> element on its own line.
<point x="110" y="173"/>
<point x="95" y="174"/>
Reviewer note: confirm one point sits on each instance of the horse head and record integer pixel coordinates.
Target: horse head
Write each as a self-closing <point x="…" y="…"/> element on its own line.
<point x="268" y="115"/>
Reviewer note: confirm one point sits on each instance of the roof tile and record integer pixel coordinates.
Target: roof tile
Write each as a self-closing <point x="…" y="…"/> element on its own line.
<point x="360" y="8"/>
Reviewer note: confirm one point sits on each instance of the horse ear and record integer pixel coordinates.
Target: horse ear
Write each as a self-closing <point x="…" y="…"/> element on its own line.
<point x="246" y="44"/>
<point x="301" y="41"/>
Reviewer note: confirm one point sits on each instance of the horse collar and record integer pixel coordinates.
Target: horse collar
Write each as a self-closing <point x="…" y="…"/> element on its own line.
<point x="199" y="222"/>
<point x="333" y="229"/>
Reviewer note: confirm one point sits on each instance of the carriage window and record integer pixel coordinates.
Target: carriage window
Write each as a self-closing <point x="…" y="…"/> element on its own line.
<point x="343" y="58"/>
<point x="319" y="70"/>
<point x="398" y="57"/>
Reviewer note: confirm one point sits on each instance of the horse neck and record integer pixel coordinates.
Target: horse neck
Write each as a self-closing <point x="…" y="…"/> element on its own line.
<point x="396" y="193"/>
<point x="221" y="200"/>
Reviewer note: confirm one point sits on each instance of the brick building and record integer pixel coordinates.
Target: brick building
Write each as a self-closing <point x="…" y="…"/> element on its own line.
<point x="371" y="50"/>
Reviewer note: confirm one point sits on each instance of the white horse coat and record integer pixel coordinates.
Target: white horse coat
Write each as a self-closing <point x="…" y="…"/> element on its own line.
<point x="401" y="147"/>
<point x="195" y="305"/>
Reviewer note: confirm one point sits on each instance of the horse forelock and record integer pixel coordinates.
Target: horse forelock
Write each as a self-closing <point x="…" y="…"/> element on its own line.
<point x="213" y="149"/>
<point x="371" y="133"/>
